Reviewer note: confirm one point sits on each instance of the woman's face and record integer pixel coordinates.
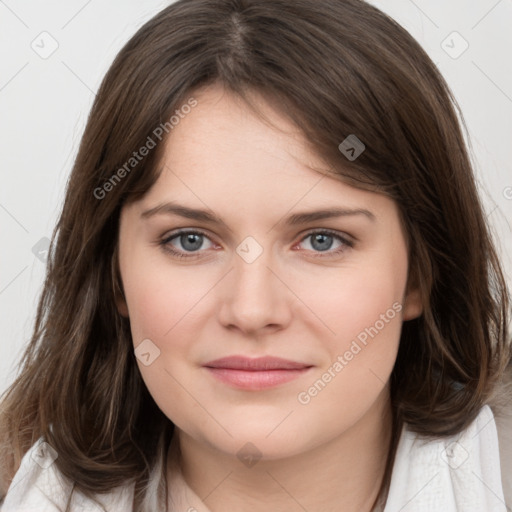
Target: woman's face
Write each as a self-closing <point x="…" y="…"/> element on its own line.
<point x="326" y="293"/>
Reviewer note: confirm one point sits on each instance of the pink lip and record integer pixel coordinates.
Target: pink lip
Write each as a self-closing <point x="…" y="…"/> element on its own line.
<point x="255" y="373"/>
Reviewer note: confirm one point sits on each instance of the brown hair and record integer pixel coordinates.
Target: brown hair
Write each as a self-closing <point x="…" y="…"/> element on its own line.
<point x="335" y="68"/>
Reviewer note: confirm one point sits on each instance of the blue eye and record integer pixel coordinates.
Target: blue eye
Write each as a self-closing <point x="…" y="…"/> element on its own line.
<point x="322" y="241"/>
<point x="192" y="241"/>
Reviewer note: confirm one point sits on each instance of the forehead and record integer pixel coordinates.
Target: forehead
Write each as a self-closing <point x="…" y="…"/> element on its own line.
<point x="222" y="156"/>
<point x="224" y="133"/>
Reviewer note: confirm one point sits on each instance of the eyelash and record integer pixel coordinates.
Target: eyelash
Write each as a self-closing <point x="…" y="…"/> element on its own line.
<point x="164" y="243"/>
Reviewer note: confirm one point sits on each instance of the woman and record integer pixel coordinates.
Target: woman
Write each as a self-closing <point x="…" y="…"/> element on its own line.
<point x="262" y="366"/>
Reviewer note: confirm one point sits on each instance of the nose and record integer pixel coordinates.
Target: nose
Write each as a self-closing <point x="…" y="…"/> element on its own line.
<point x="255" y="297"/>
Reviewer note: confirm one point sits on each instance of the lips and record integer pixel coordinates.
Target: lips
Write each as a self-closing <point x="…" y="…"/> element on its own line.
<point x="255" y="364"/>
<point x="255" y="373"/>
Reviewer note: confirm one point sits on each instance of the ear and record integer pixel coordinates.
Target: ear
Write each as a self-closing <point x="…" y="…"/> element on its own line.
<point x="413" y="305"/>
<point x="121" y="305"/>
<point x="413" y="301"/>
<point x="119" y="297"/>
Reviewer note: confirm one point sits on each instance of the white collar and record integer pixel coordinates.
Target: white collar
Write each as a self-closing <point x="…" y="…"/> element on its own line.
<point x="460" y="473"/>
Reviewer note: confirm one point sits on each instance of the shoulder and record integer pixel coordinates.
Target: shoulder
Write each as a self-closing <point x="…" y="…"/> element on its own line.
<point x="503" y="418"/>
<point x="460" y="472"/>
<point x="39" y="486"/>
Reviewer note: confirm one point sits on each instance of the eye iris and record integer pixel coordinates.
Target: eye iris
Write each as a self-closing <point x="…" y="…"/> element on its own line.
<point x="319" y="237"/>
<point x="194" y="239"/>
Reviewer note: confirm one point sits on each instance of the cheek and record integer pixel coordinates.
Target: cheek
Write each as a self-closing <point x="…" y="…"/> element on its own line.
<point x="360" y="352"/>
<point x="164" y="307"/>
<point x="358" y="359"/>
<point x="355" y="299"/>
<point x="362" y="309"/>
<point x="161" y="300"/>
<point x="160" y="314"/>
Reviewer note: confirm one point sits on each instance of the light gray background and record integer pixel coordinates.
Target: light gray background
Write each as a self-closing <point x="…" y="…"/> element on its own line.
<point x="44" y="103"/>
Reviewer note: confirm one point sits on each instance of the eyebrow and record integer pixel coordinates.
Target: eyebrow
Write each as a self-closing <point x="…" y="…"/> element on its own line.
<point x="171" y="208"/>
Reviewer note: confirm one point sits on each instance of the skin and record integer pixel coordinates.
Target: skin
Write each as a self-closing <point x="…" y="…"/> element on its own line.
<point x="294" y="301"/>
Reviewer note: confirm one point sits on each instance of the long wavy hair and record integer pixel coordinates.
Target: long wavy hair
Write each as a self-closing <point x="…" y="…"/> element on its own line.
<point x="335" y="68"/>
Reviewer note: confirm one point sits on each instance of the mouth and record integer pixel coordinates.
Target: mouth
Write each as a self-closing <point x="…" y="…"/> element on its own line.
<point x="255" y="373"/>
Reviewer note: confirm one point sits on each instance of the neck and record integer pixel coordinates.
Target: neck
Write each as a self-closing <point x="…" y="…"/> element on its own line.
<point x="344" y="473"/>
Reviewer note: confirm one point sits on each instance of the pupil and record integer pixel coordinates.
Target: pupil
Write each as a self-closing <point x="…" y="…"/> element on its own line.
<point x="190" y="239"/>
<point x="320" y="238"/>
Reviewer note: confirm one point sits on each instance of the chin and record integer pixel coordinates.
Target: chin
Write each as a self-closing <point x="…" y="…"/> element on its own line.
<point x="250" y="440"/>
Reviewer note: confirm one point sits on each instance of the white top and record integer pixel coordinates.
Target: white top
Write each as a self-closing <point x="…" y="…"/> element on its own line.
<point x="458" y="474"/>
